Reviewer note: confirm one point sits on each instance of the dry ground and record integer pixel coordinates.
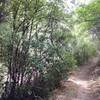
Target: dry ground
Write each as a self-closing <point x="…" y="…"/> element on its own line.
<point x="83" y="84"/>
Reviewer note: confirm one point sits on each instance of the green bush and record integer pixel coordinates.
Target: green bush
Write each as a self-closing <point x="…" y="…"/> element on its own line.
<point x="85" y="52"/>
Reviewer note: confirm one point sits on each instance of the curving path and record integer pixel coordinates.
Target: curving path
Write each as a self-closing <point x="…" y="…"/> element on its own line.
<point x="83" y="84"/>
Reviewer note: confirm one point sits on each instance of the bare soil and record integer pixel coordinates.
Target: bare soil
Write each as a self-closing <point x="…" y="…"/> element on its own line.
<point x="83" y="83"/>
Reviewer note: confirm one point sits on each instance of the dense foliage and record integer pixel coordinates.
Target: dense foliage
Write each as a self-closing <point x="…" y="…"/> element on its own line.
<point x="40" y="45"/>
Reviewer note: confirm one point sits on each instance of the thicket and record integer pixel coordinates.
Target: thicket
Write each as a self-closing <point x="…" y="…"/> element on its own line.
<point x="41" y="43"/>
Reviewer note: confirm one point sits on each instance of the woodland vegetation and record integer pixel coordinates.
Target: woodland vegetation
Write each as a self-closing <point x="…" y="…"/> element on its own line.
<point x="41" y="42"/>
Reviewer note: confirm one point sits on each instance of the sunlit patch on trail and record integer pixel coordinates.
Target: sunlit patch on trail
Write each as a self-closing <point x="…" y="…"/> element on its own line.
<point x="79" y="82"/>
<point x="82" y="83"/>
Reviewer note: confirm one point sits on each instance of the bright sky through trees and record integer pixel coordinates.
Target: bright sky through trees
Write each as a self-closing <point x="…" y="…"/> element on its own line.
<point x="72" y="4"/>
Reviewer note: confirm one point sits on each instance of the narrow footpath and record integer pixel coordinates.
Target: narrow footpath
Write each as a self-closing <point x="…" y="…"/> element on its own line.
<point x="83" y="84"/>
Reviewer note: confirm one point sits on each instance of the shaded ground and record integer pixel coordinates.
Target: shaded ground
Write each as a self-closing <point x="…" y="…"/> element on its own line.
<point x="83" y="84"/>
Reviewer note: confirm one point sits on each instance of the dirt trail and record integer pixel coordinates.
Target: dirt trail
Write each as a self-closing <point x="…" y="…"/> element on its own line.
<point x="83" y="84"/>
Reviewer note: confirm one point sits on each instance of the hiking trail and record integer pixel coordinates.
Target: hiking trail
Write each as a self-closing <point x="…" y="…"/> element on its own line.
<point x="82" y="84"/>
